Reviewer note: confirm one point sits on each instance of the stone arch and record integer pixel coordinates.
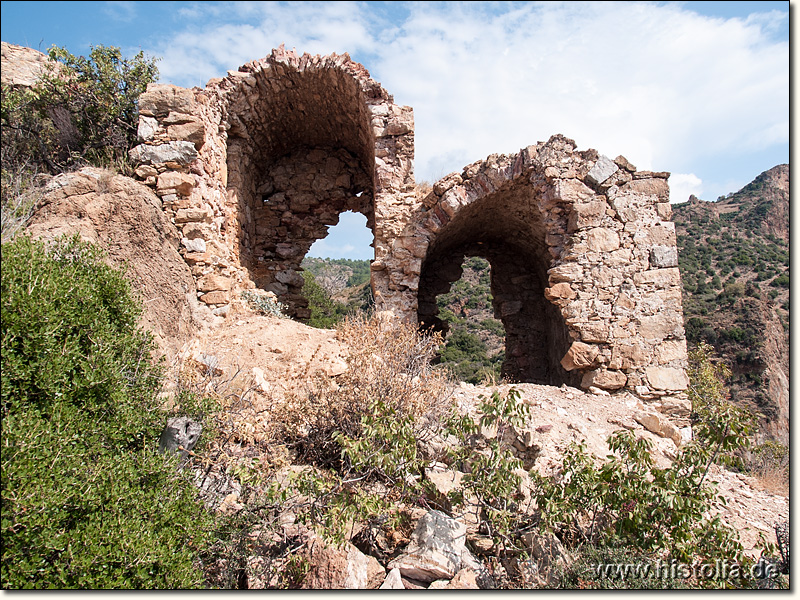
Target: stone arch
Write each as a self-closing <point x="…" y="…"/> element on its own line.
<point x="257" y="165"/>
<point x="300" y="151"/>
<point x="253" y="168"/>
<point x="584" y="265"/>
<point x="503" y="223"/>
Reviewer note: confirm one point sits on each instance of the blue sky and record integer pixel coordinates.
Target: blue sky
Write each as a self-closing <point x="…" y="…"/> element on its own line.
<point x="700" y="89"/>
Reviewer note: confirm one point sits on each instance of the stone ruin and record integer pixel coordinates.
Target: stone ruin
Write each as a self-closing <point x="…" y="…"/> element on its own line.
<point x="256" y="166"/>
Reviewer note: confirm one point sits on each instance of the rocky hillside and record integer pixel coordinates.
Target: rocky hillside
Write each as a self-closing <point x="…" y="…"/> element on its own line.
<point x="734" y="261"/>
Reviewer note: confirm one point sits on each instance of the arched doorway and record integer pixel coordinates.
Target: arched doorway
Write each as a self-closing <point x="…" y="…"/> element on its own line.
<point x="300" y="153"/>
<point x="506" y="229"/>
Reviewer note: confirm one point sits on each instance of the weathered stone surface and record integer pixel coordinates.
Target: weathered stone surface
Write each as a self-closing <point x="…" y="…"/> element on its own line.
<point x="465" y="579"/>
<point x="180" y="152"/>
<point x="602" y="170"/>
<point x="172" y="182"/>
<point x="579" y="356"/>
<point x="393" y="581"/>
<point x="663" y="256"/>
<point x="196" y="245"/>
<point x="215" y="298"/>
<point x="148" y="126"/>
<point x="667" y="378"/>
<point x="559" y="291"/>
<point x="659" y="425"/>
<point x="604" y="379"/>
<point x="661" y="278"/>
<point x="190" y="215"/>
<point x="181" y="435"/>
<point x="213" y="282"/>
<point x="161" y="99"/>
<point x="342" y="568"/>
<point x="602" y="240"/>
<point x="22" y="66"/>
<point x="437" y="549"/>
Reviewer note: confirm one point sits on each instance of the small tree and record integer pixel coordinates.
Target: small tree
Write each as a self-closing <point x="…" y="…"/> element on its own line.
<point x="83" y="111"/>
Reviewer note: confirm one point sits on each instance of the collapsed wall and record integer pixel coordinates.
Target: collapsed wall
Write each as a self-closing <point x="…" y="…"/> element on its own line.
<point x="256" y="166"/>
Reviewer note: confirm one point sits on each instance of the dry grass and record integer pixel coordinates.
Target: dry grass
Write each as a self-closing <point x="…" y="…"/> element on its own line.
<point x="388" y="363"/>
<point x="423" y="189"/>
<point x="769" y="464"/>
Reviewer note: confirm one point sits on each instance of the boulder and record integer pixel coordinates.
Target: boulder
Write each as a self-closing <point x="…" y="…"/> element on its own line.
<point x="437" y="550"/>
<point x="342" y="568"/>
<point x="180" y="435"/>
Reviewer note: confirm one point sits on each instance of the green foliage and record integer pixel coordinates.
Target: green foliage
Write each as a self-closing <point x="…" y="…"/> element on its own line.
<point x="325" y="312"/>
<point x="493" y="479"/>
<point x="781" y="280"/>
<point x="87" y="500"/>
<point x="627" y="501"/>
<point x="721" y="429"/>
<point x="83" y="111"/>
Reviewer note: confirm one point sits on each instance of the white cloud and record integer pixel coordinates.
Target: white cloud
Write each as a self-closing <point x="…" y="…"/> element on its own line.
<point x="201" y="52"/>
<point x="664" y="86"/>
<point x="120" y="11"/>
<point x="682" y="185"/>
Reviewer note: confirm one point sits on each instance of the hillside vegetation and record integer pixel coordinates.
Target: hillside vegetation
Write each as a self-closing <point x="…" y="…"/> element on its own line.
<point x="734" y="262"/>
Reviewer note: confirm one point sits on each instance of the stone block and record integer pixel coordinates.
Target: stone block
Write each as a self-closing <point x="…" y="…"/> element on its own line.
<point x="671" y="350"/>
<point x="560" y="291"/>
<point x="667" y="378"/>
<point x="663" y="257"/>
<point x="656" y="327"/>
<point x="192" y="215"/>
<point x="588" y="214"/>
<point x="194" y="132"/>
<point x="197" y="245"/>
<point x="161" y="99"/>
<point x="602" y="170"/>
<point x="214" y="282"/>
<point x="660" y="278"/>
<point x="601" y="239"/>
<point x="148" y="126"/>
<point x="664" y="210"/>
<point x="580" y="356"/>
<point x="604" y="379"/>
<point x="567" y="272"/>
<point x="571" y="191"/>
<point x="342" y="568"/>
<point x="217" y="297"/>
<point x="628" y="355"/>
<point x="180" y="153"/>
<point x="175" y="182"/>
<point x="593" y="331"/>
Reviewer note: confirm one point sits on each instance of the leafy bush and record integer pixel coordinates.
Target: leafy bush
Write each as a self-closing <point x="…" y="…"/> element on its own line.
<point x="87" y="500"/>
<point x="626" y="501"/>
<point x="325" y="313"/>
<point x="83" y="111"/>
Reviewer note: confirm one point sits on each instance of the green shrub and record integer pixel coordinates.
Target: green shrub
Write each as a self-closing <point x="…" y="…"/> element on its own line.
<point x="87" y="500"/>
<point x="83" y="111"/>
<point x="325" y="312"/>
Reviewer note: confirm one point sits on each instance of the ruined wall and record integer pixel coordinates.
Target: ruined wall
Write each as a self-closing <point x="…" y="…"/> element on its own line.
<point x="257" y="165"/>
